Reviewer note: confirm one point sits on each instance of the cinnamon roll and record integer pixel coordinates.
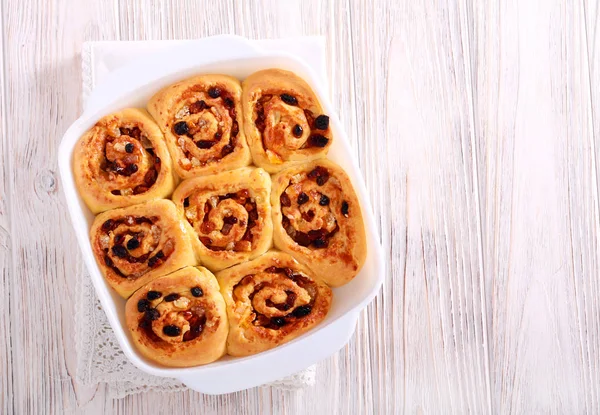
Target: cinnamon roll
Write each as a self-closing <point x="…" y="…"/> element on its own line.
<point x="201" y="118"/>
<point x="136" y="244"/>
<point x="122" y="161"/>
<point x="228" y="214"/>
<point x="179" y="320"/>
<point x="318" y="220"/>
<point x="283" y="120"/>
<point x="271" y="300"/>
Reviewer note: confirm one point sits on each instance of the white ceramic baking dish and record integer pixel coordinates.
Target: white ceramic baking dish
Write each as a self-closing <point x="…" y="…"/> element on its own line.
<point x="132" y="86"/>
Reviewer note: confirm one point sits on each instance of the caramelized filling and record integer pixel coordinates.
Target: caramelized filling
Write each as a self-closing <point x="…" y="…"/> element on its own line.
<point x="126" y="162"/>
<point x="122" y="250"/>
<point x="293" y="314"/>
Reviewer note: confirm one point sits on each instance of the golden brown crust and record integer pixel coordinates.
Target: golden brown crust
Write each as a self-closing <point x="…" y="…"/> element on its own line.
<point x="271" y="300"/>
<point x="228" y="215"/>
<point x="137" y="244"/>
<point x="318" y="220"/>
<point x="179" y="320"/>
<point x="122" y="161"/>
<point x="282" y="133"/>
<point x="201" y="118"/>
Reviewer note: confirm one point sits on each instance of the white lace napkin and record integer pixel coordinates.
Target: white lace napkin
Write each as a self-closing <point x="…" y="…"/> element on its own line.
<point x="99" y="356"/>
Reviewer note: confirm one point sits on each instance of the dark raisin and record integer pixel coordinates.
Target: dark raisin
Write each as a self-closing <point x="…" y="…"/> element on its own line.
<point x="288" y="272"/>
<point x="181" y="128"/>
<point x="152" y="314"/>
<point x="152" y="262"/>
<point x="119" y="251"/>
<point x="153" y="295"/>
<point x="129" y="148"/>
<point x="345" y="208"/>
<point x="197" y="292"/>
<point x="218" y="135"/>
<point x="160" y="254"/>
<point x="130" y="169"/>
<point x="157" y="160"/>
<point x="226" y="150"/>
<point x="309" y="215"/>
<point x="260" y="124"/>
<point x="226" y="229"/>
<point x="194" y="331"/>
<point x="235" y="129"/>
<point x="143" y="305"/>
<point x="302" y="311"/>
<point x="291" y="298"/>
<point x="214" y="92"/>
<point x="318" y="140"/>
<point x="320" y="243"/>
<point x="171" y="331"/>
<point x="289" y="99"/>
<point x="285" y="201"/>
<point x="109" y="166"/>
<point x="116" y="192"/>
<point x="322" y="122"/>
<point x="119" y="239"/>
<point x="205" y="144"/>
<point x="319" y="174"/>
<point x="324" y="201"/>
<point x="134" y="132"/>
<point x="198" y="106"/>
<point x="316" y="234"/>
<point x="296" y="277"/>
<point x="302" y="198"/>
<point x="207" y="226"/>
<point x="171" y="297"/>
<point x="297" y="131"/>
<point x="133" y="243"/>
<point x="232" y="220"/>
<point x="228" y="102"/>
<point x="302" y="239"/>
<point x="108" y="261"/>
<point x="253" y="215"/>
<point x="150" y="177"/>
<point x="186" y="202"/>
<point x="139" y="189"/>
<point x="278" y="321"/>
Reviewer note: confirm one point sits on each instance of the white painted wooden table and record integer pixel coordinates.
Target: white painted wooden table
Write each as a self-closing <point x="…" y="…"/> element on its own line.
<point x="476" y="126"/>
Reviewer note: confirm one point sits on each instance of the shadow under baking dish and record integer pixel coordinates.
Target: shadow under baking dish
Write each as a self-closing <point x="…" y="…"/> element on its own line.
<point x="132" y="86"/>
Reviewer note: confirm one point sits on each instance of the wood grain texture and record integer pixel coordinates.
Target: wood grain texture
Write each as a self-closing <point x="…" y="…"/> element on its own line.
<point x="540" y="198"/>
<point x="6" y="384"/>
<point x="475" y="125"/>
<point x="436" y="232"/>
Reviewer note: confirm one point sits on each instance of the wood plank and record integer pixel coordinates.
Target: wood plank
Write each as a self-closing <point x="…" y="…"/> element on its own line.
<point x="540" y="198"/>
<point x="41" y="90"/>
<point x="437" y="281"/>
<point x="6" y="366"/>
